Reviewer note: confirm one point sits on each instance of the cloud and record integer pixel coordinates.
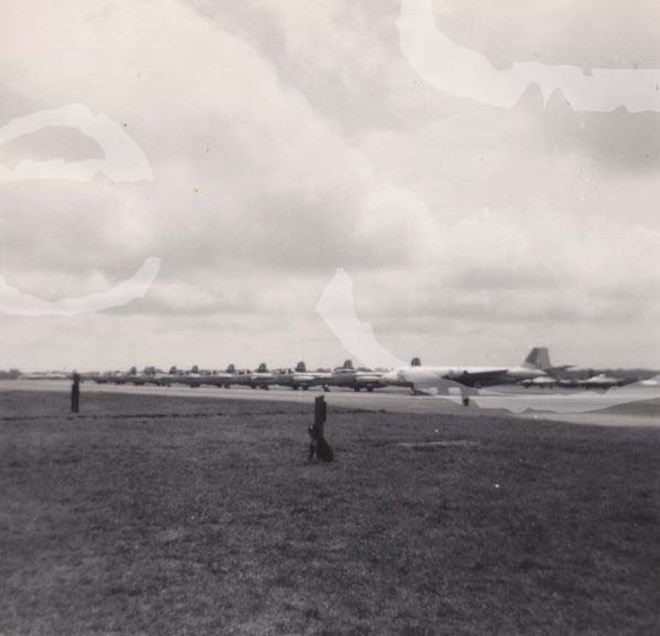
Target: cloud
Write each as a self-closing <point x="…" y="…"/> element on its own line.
<point x="122" y="160"/>
<point x="467" y="73"/>
<point x="336" y="307"/>
<point x="16" y="303"/>
<point x="229" y="171"/>
<point x="286" y="142"/>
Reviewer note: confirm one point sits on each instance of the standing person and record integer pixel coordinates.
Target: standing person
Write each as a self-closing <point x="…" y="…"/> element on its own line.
<point x="75" y="393"/>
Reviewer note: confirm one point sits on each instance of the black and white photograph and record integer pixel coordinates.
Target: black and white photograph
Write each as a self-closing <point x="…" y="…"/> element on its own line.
<point x="329" y="318"/>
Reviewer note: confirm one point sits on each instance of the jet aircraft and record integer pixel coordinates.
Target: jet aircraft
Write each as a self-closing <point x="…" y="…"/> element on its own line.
<point x="301" y="378"/>
<point x="262" y="378"/>
<point x="423" y="379"/>
<point x="357" y="379"/>
<point x="601" y="381"/>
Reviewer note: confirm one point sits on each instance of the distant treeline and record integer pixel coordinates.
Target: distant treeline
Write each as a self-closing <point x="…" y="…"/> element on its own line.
<point x="12" y="374"/>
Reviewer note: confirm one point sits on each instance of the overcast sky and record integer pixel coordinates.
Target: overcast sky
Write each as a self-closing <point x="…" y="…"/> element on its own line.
<point x="288" y="140"/>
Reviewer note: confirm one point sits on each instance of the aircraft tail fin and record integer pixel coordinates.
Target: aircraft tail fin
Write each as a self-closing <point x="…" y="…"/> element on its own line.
<point x="538" y="358"/>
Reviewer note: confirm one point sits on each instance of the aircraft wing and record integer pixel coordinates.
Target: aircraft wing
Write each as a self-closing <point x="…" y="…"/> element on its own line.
<point x="558" y="369"/>
<point x="470" y="377"/>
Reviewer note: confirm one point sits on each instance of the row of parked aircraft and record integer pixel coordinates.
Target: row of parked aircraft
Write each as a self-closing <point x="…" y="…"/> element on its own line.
<point x="298" y="378"/>
<point x="535" y="371"/>
<point x="599" y="381"/>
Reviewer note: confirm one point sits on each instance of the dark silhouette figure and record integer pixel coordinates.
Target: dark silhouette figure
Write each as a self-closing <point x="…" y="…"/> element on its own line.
<point x="318" y="446"/>
<point x="75" y="393"/>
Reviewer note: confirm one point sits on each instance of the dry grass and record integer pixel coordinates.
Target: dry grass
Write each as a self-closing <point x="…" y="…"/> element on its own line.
<point x="155" y="515"/>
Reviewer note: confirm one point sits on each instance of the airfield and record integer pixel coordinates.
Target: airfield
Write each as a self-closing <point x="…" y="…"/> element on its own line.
<point x="615" y="407"/>
<point x="178" y="510"/>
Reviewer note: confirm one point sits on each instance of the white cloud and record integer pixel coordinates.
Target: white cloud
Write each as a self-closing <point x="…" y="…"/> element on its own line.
<point x="289" y="141"/>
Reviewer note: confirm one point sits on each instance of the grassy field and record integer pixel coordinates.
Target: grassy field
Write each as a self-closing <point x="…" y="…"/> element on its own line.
<point x="156" y="515"/>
